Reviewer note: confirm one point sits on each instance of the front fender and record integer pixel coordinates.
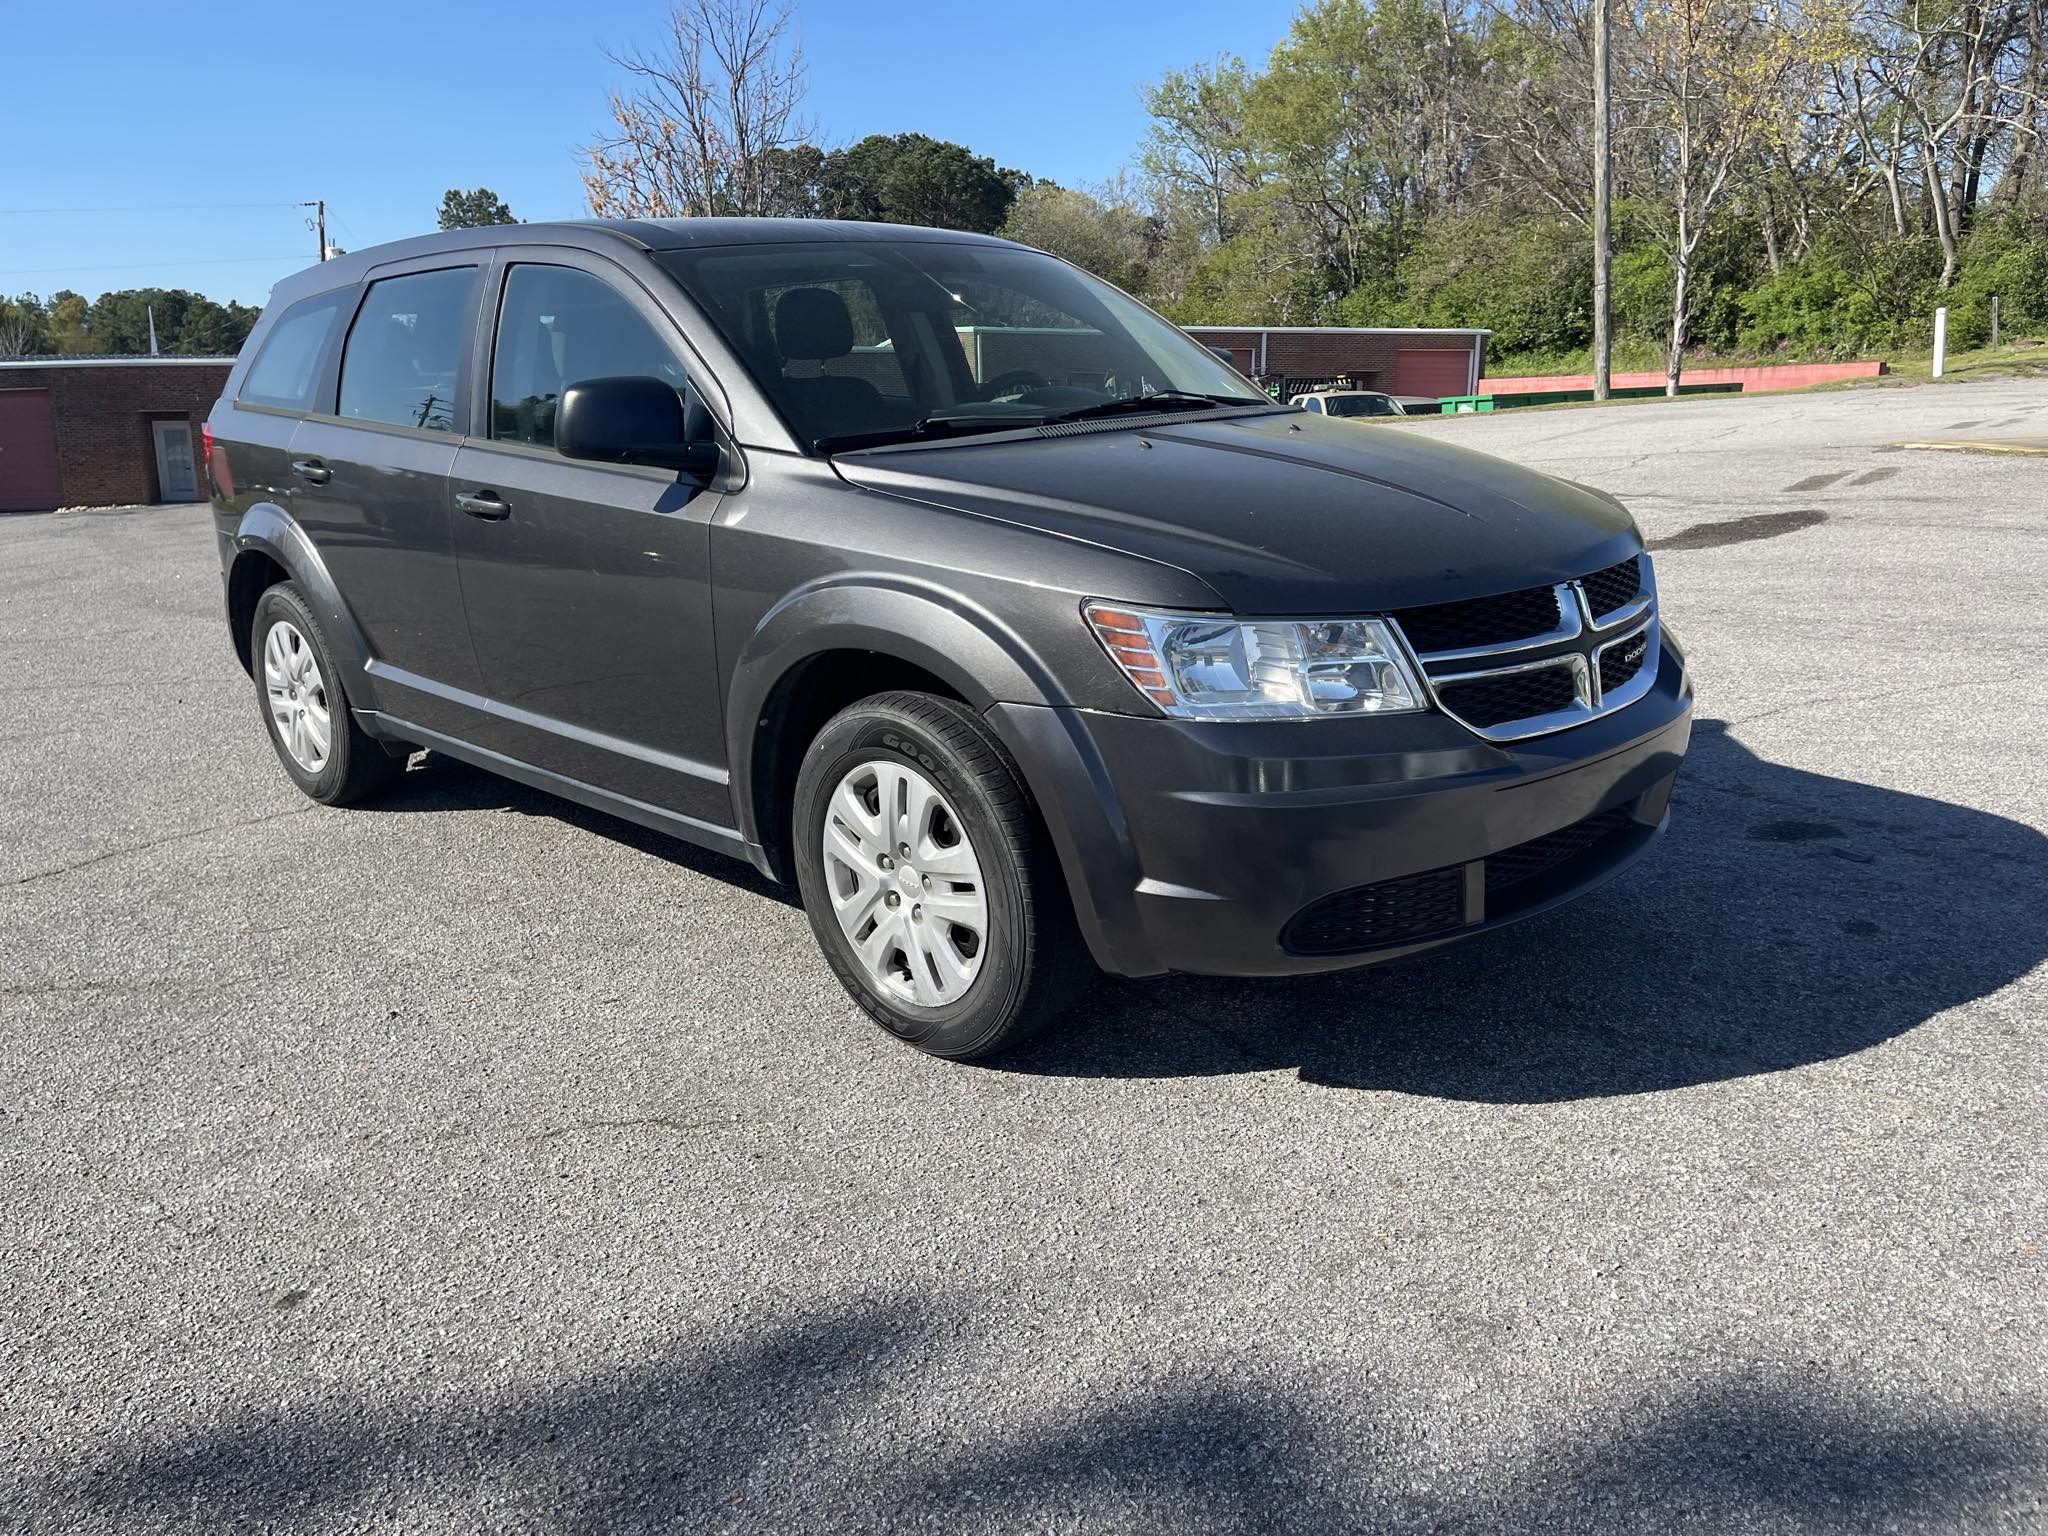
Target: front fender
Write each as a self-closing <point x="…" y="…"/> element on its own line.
<point x="268" y="531"/>
<point x="978" y="655"/>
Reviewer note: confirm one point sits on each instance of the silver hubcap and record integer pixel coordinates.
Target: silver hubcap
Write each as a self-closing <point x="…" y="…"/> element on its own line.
<point x="905" y="884"/>
<point x="298" y="696"/>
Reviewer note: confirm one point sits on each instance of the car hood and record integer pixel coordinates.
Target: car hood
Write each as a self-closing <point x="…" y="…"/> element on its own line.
<point x="1278" y="513"/>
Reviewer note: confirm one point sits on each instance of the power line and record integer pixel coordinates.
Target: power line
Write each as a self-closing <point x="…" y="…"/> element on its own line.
<point x="144" y="208"/>
<point x="134" y="266"/>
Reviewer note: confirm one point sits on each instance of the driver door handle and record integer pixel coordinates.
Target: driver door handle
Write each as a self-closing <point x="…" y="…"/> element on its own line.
<point x="487" y="505"/>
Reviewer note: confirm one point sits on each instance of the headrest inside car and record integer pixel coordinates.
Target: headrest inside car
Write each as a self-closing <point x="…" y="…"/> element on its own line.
<point x="812" y="324"/>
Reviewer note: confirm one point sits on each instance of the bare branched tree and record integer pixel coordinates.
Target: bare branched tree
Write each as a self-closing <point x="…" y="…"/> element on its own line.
<point x="1960" y="80"/>
<point x="1718" y="82"/>
<point x="700" y="128"/>
<point x="16" y="335"/>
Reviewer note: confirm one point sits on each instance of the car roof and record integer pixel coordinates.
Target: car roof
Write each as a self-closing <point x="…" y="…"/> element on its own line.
<point x="615" y="234"/>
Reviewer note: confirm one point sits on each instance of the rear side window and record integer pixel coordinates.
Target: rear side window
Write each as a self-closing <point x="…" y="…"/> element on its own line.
<point x="403" y="351"/>
<point x="288" y="364"/>
<point x="560" y="326"/>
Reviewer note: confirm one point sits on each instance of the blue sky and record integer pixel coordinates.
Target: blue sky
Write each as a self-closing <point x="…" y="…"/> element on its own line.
<point x="143" y="111"/>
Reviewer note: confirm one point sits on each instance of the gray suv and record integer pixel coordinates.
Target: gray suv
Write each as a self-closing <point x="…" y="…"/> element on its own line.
<point x="931" y="574"/>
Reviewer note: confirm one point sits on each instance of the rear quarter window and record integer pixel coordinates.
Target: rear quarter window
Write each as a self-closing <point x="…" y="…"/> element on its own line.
<point x="287" y="365"/>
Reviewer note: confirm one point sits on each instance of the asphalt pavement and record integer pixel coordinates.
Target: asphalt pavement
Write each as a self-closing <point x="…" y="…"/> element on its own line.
<point x="476" y="1162"/>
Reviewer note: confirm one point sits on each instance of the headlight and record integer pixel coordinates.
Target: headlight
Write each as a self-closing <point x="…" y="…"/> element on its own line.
<point x="1203" y="667"/>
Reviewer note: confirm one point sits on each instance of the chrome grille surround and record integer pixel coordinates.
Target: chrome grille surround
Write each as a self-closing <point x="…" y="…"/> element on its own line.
<point x="1579" y="643"/>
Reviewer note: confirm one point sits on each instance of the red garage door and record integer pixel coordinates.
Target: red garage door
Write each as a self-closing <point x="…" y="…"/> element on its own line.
<point x="1432" y="371"/>
<point x="29" y="481"/>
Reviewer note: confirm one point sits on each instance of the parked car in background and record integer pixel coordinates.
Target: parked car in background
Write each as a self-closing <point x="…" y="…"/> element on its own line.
<point x="717" y="526"/>
<point x="1350" y="403"/>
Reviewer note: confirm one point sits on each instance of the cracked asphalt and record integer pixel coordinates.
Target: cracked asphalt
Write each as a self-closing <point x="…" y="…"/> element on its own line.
<point x="474" y="1162"/>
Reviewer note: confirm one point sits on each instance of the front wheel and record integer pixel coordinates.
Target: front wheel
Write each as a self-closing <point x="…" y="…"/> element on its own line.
<point x="928" y="880"/>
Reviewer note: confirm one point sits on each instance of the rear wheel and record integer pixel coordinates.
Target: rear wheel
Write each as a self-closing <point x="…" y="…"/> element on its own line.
<point x="305" y="708"/>
<point x="928" y="881"/>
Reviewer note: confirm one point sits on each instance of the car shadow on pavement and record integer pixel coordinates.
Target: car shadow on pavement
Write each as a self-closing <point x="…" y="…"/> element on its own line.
<point x="839" y="1421"/>
<point x="1786" y="918"/>
<point x="437" y="782"/>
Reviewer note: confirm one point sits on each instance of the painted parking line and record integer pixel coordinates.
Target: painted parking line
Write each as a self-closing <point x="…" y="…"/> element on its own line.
<point x="1983" y="444"/>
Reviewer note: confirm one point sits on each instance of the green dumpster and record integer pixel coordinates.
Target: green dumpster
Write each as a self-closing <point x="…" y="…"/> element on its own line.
<point x="1464" y="405"/>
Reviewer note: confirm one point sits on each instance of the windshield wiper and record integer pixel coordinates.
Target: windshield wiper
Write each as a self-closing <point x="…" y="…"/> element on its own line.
<point x="972" y="422"/>
<point x="1158" y="400"/>
<point x="928" y="426"/>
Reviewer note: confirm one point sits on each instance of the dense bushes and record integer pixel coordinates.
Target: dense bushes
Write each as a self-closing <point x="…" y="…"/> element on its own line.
<point x="2014" y="267"/>
<point x="1531" y="284"/>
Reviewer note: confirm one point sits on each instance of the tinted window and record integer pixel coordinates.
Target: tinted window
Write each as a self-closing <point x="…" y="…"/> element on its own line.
<point x="558" y="327"/>
<point x="872" y="355"/>
<point x="400" y="362"/>
<point x="289" y="362"/>
<point x="871" y="339"/>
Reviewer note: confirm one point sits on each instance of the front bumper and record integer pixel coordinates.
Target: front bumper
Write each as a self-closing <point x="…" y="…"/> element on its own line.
<point x="1208" y="846"/>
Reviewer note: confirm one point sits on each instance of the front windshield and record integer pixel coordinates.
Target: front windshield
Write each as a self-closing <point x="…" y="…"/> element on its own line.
<point x="1360" y="405"/>
<point x="862" y="342"/>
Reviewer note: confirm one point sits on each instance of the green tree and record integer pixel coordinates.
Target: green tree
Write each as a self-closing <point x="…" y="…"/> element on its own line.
<point x="477" y="208"/>
<point x="1105" y="235"/>
<point x="68" y="313"/>
<point x="118" y="323"/>
<point x="910" y="178"/>
<point x="1197" y="149"/>
<point x="792" y="181"/>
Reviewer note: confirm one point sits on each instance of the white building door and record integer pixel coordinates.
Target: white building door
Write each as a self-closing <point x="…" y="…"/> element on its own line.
<point x="175" y="477"/>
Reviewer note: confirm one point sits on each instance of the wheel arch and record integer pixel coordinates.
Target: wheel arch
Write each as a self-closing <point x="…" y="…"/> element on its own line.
<point x="270" y="547"/>
<point x="835" y="643"/>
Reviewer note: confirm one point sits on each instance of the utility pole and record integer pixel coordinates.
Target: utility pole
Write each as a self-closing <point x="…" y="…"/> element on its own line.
<point x="319" y="223"/>
<point x="1603" y="199"/>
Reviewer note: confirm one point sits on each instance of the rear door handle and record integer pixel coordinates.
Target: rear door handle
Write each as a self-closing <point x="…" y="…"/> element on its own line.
<point x="312" y="470"/>
<point x="484" y="504"/>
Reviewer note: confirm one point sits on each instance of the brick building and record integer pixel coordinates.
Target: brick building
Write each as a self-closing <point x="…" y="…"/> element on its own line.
<point x="104" y="431"/>
<point x="1425" y="362"/>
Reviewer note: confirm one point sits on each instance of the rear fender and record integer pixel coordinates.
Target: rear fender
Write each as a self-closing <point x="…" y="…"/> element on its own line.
<point x="267" y="529"/>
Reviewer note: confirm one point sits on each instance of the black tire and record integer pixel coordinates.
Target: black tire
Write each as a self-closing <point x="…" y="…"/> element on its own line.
<point x="1035" y="965"/>
<point x="356" y="767"/>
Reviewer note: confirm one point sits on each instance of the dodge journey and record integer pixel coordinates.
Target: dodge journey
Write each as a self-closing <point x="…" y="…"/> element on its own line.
<point x="924" y="571"/>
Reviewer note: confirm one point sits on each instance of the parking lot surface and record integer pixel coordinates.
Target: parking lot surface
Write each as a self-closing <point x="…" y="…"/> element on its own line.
<point x="471" y="1161"/>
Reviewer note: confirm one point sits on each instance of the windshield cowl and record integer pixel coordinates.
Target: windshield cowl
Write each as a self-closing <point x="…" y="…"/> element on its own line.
<point x="949" y="431"/>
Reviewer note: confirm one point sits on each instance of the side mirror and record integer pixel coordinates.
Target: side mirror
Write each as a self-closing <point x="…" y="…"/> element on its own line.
<point x="631" y="421"/>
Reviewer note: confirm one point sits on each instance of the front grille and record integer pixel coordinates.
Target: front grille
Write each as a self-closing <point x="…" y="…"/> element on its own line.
<point x="1505" y="696"/>
<point x="1616" y="587"/>
<point x="1481" y="620"/>
<point x="1525" y="861"/>
<point x="1620" y="663"/>
<point x="1370" y="916"/>
<point x="1481" y="655"/>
